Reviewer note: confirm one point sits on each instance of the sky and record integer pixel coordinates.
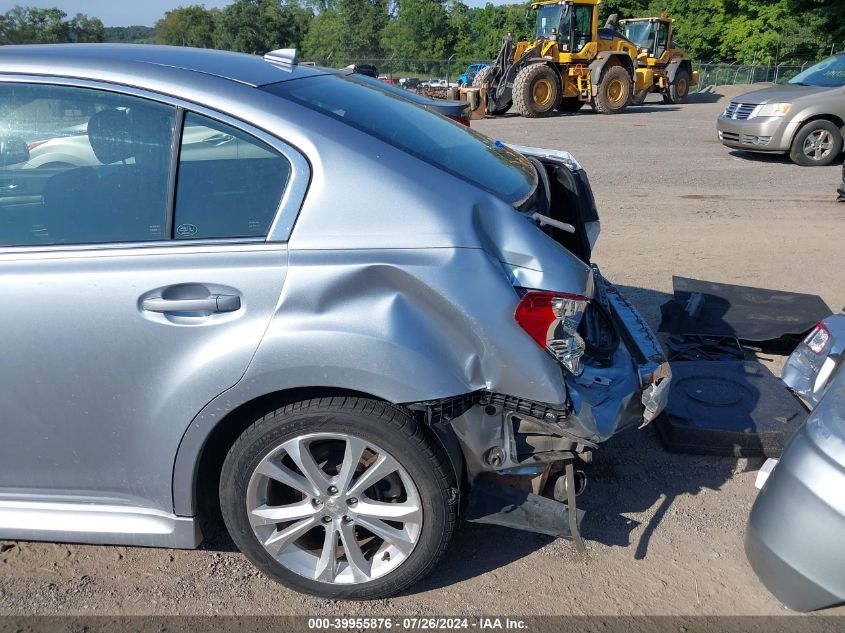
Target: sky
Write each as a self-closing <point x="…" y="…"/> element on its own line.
<point x="144" y="12"/>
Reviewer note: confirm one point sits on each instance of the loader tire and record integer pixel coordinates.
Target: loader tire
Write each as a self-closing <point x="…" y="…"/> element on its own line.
<point x="679" y="89"/>
<point x="481" y="79"/>
<point x="570" y="104"/>
<point x="536" y="91"/>
<point x="614" y="91"/>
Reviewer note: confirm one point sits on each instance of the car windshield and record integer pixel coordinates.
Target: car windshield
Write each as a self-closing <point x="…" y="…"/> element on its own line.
<point x="640" y="33"/>
<point x="829" y="73"/>
<point x="435" y="139"/>
<point x="548" y="18"/>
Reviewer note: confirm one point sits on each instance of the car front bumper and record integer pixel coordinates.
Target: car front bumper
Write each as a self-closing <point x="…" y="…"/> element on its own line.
<point x="794" y="535"/>
<point x="760" y="134"/>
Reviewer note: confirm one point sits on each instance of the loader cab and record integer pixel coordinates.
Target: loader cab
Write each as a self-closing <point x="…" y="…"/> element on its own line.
<point x="651" y="35"/>
<point x="570" y="24"/>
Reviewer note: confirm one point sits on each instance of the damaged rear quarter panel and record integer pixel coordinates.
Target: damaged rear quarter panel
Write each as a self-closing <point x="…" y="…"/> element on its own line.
<point x="405" y="325"/>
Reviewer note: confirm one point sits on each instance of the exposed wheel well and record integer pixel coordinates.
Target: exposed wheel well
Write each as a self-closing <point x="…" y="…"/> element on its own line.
<point x="230" y="427"/>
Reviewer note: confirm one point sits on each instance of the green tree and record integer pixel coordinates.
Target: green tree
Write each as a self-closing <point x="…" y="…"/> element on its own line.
<point x="420" y="30"/>
<point x="460" y="25"/>
<point x="130" y="34"/>
<point x="258" y="26"/>
<point x="187" y="26"/>
<point x="84" y="29"/>
<point x="28" y="25"/>
<point x="361" y="23"/>
<point x="321" y="41"/>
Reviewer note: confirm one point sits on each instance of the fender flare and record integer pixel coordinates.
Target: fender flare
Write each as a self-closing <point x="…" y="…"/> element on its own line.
<point x="602" y="60"/>
<point x="675" y="65"/>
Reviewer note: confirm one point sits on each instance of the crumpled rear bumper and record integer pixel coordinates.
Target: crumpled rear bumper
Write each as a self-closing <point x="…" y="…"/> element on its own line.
<point x="507" y="434"/>
<point x="653" y="369"/>
<point x="631" y="390"/>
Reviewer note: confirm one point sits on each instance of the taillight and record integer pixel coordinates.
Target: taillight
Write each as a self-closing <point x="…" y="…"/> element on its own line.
<point x="817" y="339"/>
<point x="551" y="319"/>
<point x="459" y="119"/>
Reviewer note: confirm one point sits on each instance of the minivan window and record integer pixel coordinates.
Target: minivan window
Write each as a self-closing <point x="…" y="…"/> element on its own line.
<point x="829" y="73"/>
<point x="82" y="166"/>
<point x="435" y="139"/>
<point x="229" y="184"/>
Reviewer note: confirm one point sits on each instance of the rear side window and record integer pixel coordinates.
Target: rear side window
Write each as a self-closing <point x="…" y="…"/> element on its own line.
<point x="82" y="166"/>
<point x="413" y="129"/>
<point x="229" y="184"/>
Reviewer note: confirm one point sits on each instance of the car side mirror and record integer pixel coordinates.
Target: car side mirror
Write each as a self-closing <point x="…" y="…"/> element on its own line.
<point x="13" y="150"/>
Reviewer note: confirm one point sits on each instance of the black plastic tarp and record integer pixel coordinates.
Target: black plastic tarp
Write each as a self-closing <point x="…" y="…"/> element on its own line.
<point x="749" y="314"/>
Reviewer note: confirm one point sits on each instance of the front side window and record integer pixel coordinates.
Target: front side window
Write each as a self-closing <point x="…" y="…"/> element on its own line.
<point x="81" y="166"/>
<point x="582" y="27"/>
<point x="662" y="38"/>
<point x="229" y="184"/>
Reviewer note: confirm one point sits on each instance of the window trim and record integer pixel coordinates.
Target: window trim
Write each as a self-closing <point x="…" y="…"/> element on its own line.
<point x="286" y="213"/>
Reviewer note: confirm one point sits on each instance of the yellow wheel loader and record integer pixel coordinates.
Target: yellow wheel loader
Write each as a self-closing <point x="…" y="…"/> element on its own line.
<point x="570" y="62"/>
<point x="662" y="66"/>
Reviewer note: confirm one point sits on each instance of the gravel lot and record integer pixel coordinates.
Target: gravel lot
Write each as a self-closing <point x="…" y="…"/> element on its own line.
<point x="664" y="531"/>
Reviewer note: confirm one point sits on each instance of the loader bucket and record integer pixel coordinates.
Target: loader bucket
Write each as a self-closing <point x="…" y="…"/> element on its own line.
<point x="477" y="100"/>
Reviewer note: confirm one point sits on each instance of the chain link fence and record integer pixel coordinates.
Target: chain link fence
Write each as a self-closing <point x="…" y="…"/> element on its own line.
<point x="449" y="70"/>
<point x="423" y="69"/>
<point x="730" y="74"/>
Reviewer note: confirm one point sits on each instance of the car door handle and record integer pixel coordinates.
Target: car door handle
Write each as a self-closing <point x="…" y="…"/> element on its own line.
<point x="212" y="303"/>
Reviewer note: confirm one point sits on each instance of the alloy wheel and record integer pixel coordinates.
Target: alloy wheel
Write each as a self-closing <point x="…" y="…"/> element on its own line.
<point x="334" y="508"/>
<point x="818" y="145"/>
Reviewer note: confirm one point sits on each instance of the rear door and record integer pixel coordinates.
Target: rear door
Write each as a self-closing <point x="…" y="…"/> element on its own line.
<point x="127" y="303"/>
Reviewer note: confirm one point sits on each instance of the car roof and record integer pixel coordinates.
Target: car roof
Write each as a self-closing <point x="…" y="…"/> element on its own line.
<point x="56" y="59"/>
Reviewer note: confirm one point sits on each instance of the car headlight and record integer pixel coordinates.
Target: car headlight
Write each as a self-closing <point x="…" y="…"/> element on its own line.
<point x="773" y="109"/>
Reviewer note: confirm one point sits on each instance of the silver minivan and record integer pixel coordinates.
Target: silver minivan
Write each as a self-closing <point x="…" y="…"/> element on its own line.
<point x="237" y="285"/>
<point x="804" y="118"/>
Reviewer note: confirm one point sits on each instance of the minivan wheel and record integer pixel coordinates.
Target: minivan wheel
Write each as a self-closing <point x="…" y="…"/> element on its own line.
<point x="818" y="143"/>
<point x="340" y="497"/>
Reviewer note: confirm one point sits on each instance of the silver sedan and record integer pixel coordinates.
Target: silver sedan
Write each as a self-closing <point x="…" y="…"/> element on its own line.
<point x="246" y="286"/>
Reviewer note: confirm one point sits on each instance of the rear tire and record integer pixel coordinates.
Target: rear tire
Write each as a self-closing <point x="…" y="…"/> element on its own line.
<point x="679" y="89"/>
<point x="536" y="91"/>
<point x="305" y="465"/>
<point x="570" y="104"/>
<point x="614" y="91"/>
<point x="817" y="143"/>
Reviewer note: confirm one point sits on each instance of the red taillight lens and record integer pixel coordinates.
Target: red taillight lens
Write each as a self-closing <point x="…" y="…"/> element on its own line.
<point x="33" y="144"/>
<point x="460" y="120"/>
<point x="552" y="319"/>
<point x="817" y="339"/>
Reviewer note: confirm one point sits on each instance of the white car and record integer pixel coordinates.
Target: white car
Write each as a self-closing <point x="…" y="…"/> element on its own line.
<point x="74" y="150"/>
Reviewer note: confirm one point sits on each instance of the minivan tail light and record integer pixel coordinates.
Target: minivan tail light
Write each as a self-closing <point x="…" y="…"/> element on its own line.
<point x="817" y="339"/>
<point x="552" y="319"/>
